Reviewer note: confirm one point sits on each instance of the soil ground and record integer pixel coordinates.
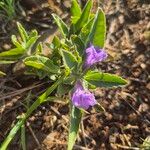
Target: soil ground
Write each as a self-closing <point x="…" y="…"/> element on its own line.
<point x="125" y="123"/>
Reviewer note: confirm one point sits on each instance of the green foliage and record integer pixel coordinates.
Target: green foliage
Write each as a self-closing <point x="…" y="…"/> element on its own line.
<point x="84" y="16"/>
<point x="15" y="53"/>
<point x="146" y="144"/>
<point x="63" y="89"/>
<point x="99" y="79"/>
<point x="2" y="73"/>
<point x="23" y="137"/>
<point x="86" y="30"/>
<point x="76" y="115"/>
<point x="69" y="60"/>
<point x="56" y="43"/>
<point x="41" y="63"/>
<point x="63" y="27"/>
<point x="75" y="11"/>
<point x="6" y="62"/>
<point x="22" y="46"/>
<point x="98" y="30"/>
<point x="8" y="9"/>
<point x="80" y="46"/>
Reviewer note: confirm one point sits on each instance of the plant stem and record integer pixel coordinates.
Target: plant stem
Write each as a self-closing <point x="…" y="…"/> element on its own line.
<point x="37" y="103"/>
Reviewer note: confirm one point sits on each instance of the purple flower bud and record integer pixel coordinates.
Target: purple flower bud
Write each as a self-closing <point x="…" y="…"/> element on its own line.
<point x="94" y="55"/>
<point x="82" y="98"/>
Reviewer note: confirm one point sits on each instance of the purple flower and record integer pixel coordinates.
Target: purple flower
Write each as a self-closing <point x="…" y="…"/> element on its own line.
<point x="94" y="55"/>
<point x="82" y="98"/>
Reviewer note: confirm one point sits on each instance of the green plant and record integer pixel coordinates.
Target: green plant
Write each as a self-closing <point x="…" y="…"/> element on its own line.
<point x="8" y="9"/>
<point x="146" y="144"/>
<point x="2" y="73"/>
<point x="22" y="46"/>
<point x="71" y="67"/>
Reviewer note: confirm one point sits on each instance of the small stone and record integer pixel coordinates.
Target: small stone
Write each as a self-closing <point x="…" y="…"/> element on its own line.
<point x="54" y="118"/>
<point x="148" y="26"/>
<point x="148" y="86"/>
<point x="140" y="58"/>
<point x="143" y="107"/>
<point x="121" y="19"/>
<point x="6" y="46"/>
<point x="112" y="139"/>
<point x="141" y="22"/>
<point x="143" y="66"/>
<point x="32" y="118"/>
<point x="126" y="51"/>
<point x="67" y="4"/>
<point x="46" y="118"/>
<point x="109" y="117"/>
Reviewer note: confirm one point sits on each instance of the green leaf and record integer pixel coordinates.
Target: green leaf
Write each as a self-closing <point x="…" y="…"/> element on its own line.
<point x="74" y="20"/>
<point x="76" y="115"/>
<point x="99" y="107"/>
<point x="41" y="63"/>
<point x="63" y="89"/>
<point x="6" y="62"/>
<point x="146" y="144"/>
<point x="86" y="30"/>
<point x="30" y="42"/>
<point x="84" y="16"/>
<point x="2" y="73"/>
<point x="15" y="42"/>
<point x="12" y="133"/>
<point x="12" y="52"/>
<point x="23" y="137"/>
<point x="63" y="27"/>
<point x="100" y="79"/>
<point x="79" y="44"/>
<point x="33" y="33"/>
<point x="69" y="80"/>
<point x="22" y="32"/>
<point x="98" y="30"/>
<point x="39" y="48"/>
<point x="75" y="11"/>
<point x="56" y="43"/>
<point x="69" y="59"/>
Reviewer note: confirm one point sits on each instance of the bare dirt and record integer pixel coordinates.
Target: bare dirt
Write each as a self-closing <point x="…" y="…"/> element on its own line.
<point x="125" y="123"/>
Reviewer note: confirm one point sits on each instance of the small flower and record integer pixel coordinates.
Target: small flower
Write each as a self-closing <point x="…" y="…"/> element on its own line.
<point x="82" y="98"/>
<point x="94" y="55"/>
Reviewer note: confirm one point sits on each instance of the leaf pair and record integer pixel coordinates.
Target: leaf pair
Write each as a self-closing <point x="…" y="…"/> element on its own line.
<point x="96" y="28"/>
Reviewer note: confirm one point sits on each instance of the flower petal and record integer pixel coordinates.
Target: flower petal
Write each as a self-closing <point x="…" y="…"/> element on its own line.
<point x="94" y="55"/>
<point x="82" y="98"/>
